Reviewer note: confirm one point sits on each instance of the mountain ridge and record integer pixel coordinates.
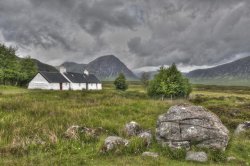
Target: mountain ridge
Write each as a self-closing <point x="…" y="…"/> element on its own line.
<point x="106" y="67"/>
<point x="233" y="73"/>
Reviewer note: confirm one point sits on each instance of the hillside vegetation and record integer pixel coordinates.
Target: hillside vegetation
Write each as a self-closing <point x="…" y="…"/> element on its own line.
<point x="233" y="73"/>
<point x="32" y="124"/>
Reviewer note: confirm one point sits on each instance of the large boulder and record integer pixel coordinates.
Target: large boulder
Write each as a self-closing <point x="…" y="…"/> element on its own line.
<point x="241" y="128"/>
<point x="113" y="142"/>
<point x="186" y="125"/>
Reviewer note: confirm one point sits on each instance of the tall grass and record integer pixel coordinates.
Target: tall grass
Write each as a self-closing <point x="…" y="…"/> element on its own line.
<point x="32" y="124"/>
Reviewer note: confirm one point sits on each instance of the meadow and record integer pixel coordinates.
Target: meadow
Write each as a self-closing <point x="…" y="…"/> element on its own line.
<point x="32" y="123"/>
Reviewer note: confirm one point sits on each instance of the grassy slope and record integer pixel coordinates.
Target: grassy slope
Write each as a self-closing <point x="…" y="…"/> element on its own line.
<point x="221" y="81"/>
<point x="32" y="124"/>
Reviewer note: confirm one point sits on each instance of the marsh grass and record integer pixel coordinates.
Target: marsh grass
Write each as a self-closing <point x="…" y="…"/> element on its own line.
<point x="32" y="124"/>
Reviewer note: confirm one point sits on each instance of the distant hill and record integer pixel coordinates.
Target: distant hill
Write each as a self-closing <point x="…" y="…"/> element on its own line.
<point x="233" y="73"/>
<point x="105" y="68"/>
<point x="74" y="67"/>
<point x="44" y="67"/>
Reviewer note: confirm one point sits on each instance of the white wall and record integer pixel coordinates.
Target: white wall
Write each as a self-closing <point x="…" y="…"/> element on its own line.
<point x="39" y="82"/>
<point x="77" y="86"/>
<point x="94" y="86"/>
<point x="56" y="86"/>
<point x="99" y="86"/>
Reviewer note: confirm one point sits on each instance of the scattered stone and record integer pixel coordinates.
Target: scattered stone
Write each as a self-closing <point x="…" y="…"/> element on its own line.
<point x="186" y="125"/>
<point x="72" y="132"/>
<point x="231" y="158"/>
<point x="242" y="128"/>
<point x="75" y="131"/>
<point x="113" y="142"/>
<point x="93" y="132"/>
<point x="196" y="156"/>
<point x="150" y="154"/>
<point x="147" y="136"/>
<point x="132" y="128"/>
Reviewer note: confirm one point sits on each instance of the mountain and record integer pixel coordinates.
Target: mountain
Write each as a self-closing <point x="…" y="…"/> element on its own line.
<point x="74" y="67"/>
<point x="233" y="73"/>
<point x="105" y="68"/>
<point x="44" y="67"/>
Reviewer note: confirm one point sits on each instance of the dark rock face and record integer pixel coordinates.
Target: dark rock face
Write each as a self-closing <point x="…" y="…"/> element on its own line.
<point x="183" y="126"/>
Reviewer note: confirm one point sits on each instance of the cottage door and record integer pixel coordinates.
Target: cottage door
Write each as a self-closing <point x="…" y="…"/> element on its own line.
<point x="61" y="87"/>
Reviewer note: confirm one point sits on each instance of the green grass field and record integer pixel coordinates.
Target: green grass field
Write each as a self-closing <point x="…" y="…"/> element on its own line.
<point x="32" y="123"/>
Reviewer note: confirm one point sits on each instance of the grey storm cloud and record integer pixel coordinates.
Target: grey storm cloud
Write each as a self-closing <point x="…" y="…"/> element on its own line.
<point x="139" y="32"/>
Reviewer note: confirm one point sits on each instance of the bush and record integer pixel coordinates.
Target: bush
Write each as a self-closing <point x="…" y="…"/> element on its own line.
<point x="120" y="82"/>
<point x="170" y="83"/>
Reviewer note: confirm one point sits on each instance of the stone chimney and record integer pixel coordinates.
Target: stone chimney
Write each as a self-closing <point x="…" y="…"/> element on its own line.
<point x="63" y="69"/>
<point x="86" y="72"/>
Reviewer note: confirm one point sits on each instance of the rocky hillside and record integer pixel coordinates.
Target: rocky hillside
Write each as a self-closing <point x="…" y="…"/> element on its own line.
<point x="105" y="68"/>
<point x="233" y="73"/>
<point x="74" y="67"/>
<point x="44" y="67"/>
<point x="239" y="69"/>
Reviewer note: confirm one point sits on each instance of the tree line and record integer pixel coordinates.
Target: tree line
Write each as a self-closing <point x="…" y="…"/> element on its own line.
<point x="14" y="70"/>
<point x="167" y="83"/>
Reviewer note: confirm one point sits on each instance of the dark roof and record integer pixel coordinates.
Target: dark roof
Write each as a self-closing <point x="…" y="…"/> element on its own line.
<point x="93" y="79"/>
<point x="76" y="77"/>
<point x="81" y="78"/>
<point x="53" y="77"/>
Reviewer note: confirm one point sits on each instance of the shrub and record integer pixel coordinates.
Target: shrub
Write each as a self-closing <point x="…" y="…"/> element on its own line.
<point x="120" y="82"/>
<point x="170" y="83"/>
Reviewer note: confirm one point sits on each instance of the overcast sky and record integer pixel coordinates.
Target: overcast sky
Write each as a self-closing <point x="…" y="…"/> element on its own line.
<point x="139" y="32"/>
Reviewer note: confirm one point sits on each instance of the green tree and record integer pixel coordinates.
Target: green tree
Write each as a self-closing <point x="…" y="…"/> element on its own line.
<point x="120" y="82"/>
<point x="145" y="78"/>
<point x="29" y="70"/>
<point x="14" y="70"/>
<point x="169" y="83"/>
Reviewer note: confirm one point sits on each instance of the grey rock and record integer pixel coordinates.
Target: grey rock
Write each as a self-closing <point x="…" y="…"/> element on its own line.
<point x="113" y="142"/>
<point x="132" y="128"/>
<point x="75" y="131"/>
<point x="150" y="154"/>
<point x="231" y="158"/>
<point x="196" y="156"/>
<point x="186" y="125"/>
<point x="242" y="128"/>
<point x="72" y="132"/>
<point x="147" y="136"/>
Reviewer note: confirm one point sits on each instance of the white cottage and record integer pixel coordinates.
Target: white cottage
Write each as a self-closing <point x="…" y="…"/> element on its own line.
<point x="65" y="81"/>
<point x="49" y="81"/>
